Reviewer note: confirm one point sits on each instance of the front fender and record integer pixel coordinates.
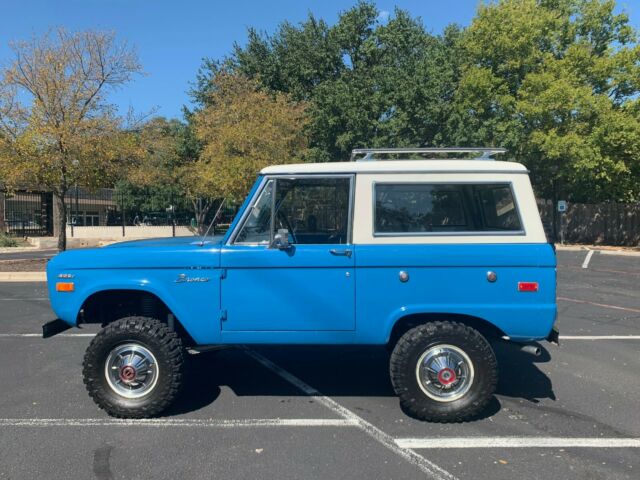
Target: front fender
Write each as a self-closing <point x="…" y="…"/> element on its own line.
<point x="195" y="304"/>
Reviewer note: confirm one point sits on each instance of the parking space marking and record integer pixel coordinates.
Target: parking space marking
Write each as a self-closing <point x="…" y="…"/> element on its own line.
<point x="587" y="259"/>
<point x="39" y="335"/>
<point x="175" y="422"/>
<point x="603" y="305"/>
<point x="599" y="337"/>
<point x="425" y="465"/>
<point x="34" y="299"/>
<point x="517" y="442"/>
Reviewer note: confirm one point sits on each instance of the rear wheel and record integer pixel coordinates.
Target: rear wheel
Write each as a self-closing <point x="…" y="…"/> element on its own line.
<point x="443" y="371"/>
<point x="133" y="368"/>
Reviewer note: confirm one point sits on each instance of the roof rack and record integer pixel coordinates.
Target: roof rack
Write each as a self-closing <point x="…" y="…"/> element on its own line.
<point x="370" y="153"/>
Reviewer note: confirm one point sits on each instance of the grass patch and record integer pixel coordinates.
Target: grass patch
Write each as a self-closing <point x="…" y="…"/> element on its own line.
<point x="8" y="241"/>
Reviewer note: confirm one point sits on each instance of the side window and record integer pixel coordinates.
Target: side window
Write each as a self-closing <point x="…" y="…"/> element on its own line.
<point x="424" y="208"/>
<point x="257" y="225"/>
<point x="498" y="208"/>
<point x="313" y="210"/>
<point x="416" y="208"/>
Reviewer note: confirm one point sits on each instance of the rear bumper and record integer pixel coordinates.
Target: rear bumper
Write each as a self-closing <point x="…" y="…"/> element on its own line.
<point x="54" y="327"/>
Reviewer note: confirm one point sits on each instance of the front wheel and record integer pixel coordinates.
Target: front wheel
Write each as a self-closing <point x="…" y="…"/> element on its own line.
<point x="443" y="371"/>
<point x="133" y="368"/>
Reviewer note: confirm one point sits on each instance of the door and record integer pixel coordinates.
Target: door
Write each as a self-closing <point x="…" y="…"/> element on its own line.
<point x="290" y="266"/>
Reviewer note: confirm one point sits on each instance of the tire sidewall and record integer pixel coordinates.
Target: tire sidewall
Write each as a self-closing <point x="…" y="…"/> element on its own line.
<point x="406" y="382"/>
<point x="95" y="377"/>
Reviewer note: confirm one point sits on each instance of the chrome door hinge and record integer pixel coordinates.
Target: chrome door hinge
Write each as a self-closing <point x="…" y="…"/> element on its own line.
<point x="223" y="273"/>
<point x="223" y="315"/>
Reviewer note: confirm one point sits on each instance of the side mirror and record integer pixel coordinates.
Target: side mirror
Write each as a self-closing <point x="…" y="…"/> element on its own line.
<point x="281" y="240"/>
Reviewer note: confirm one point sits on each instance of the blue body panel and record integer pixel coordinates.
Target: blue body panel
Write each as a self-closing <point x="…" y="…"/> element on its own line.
<point x="453" y="279"/>
<point x="305" y="288"/>
<point x="254" y="294"/>
<point x="153" y="269"/>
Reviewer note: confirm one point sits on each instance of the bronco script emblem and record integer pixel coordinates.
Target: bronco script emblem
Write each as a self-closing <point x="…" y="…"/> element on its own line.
<point x="182" y="278"/>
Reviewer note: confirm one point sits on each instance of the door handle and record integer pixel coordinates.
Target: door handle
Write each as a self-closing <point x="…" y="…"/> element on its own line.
<point x="341" y="253"/>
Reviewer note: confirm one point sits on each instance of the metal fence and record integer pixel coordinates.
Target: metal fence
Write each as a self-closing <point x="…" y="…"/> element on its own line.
<point x="24" y="213"/>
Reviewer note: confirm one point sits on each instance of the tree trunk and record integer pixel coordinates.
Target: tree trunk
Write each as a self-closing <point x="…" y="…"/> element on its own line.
<point x="201" y="209"/>
<point x="60" y="220"/>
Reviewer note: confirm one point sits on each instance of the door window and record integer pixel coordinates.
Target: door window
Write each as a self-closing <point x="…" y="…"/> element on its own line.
<point x="312" y="211"/>
<point x="257" y="225"/>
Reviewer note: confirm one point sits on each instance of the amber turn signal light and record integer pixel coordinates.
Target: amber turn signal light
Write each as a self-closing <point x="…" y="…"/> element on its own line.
<point x="64" y="287"/>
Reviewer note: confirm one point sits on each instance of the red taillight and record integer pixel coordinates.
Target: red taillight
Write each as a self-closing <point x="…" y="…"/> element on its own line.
<point x="527" y="286"/>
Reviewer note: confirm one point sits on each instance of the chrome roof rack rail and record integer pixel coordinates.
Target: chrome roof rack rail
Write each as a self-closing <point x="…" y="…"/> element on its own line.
<point x="369" y="154"/>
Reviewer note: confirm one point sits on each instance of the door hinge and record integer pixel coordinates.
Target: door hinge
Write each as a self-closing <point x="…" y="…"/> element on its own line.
<point x="223" y="315"/>
<point x="223" y="273"/>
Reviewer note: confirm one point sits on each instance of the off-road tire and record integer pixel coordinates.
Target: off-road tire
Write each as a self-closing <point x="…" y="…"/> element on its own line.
<point x="407" y="353"/>
<point x="158" y="338"/>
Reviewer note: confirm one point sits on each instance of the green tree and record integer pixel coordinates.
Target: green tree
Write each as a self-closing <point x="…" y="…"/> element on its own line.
<point x="368" y="82"/>
<point x="557" y="82"/>
<point x="56" y="127"/>
<point x="243" y="129"/>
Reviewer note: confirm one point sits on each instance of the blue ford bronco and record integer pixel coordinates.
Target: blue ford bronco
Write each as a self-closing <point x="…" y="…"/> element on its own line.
<point x="436" y="258"/>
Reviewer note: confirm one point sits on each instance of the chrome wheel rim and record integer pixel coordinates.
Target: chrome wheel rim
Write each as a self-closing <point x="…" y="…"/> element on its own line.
<point x="131" y="370"/>
<point x="444" y="373"/>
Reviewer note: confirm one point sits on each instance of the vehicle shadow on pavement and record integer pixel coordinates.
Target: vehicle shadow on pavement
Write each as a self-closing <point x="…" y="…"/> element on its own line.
<point x="519" y="375"/>
<point x="339" y="372"/>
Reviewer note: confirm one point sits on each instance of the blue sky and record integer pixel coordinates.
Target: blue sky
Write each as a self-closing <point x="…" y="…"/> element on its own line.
<point x="172" y="37"/>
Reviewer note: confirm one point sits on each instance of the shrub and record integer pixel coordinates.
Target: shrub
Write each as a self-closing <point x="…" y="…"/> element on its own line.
<point x="7" y="241"/>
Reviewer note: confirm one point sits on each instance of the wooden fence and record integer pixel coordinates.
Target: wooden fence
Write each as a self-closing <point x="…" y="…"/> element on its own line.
<point x="601" y="223"/>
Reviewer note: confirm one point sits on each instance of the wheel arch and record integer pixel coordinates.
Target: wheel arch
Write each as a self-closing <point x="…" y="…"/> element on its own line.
<point x="111" y="304"/>
<point x="405" y="323"/>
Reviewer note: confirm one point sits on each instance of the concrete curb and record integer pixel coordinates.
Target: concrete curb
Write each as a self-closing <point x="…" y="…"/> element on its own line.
<point x="619" y="252"/>
<point x="19" y="249"/>
<point x="23" y="277"/>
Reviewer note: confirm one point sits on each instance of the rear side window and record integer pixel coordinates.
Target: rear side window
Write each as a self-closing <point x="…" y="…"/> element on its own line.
<point x="422" y="208"/>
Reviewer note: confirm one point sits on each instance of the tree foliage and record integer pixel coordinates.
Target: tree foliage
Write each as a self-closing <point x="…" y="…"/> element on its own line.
<point x="368" y="82"/>
<point x="243" y="129"/>
<point x="557" y="82"/>
<point x="56" y="127"/>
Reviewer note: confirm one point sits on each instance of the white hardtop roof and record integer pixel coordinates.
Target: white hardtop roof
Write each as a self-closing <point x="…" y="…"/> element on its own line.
<point x="398" y="166"/>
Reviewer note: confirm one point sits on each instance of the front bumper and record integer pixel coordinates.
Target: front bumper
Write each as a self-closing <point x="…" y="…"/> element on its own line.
<point x="54" y="327"/>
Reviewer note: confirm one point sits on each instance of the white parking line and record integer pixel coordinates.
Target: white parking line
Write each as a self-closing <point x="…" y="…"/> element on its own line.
<point x="33" y="299"/>
<point x="175" y="422"/>
<point x="36" y="335"/>
<point x="585" y="264"/>
<point x="428" y="467"/>
<point x="517" y="442"/>
<point x="603" y="305"/>
<point x="599" y="337"/>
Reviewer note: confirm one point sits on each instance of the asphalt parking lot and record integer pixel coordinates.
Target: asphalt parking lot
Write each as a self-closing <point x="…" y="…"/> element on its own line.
<point x="329" y="412"/>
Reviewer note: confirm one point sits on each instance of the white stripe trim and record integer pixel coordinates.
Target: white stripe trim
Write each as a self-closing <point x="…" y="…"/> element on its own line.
<point x="587" y="259"/>
<point x="176" y="422"/>
<point x="517" y="442"/>
<point x="425" y="465"/>
<point x="599" y="337"/>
